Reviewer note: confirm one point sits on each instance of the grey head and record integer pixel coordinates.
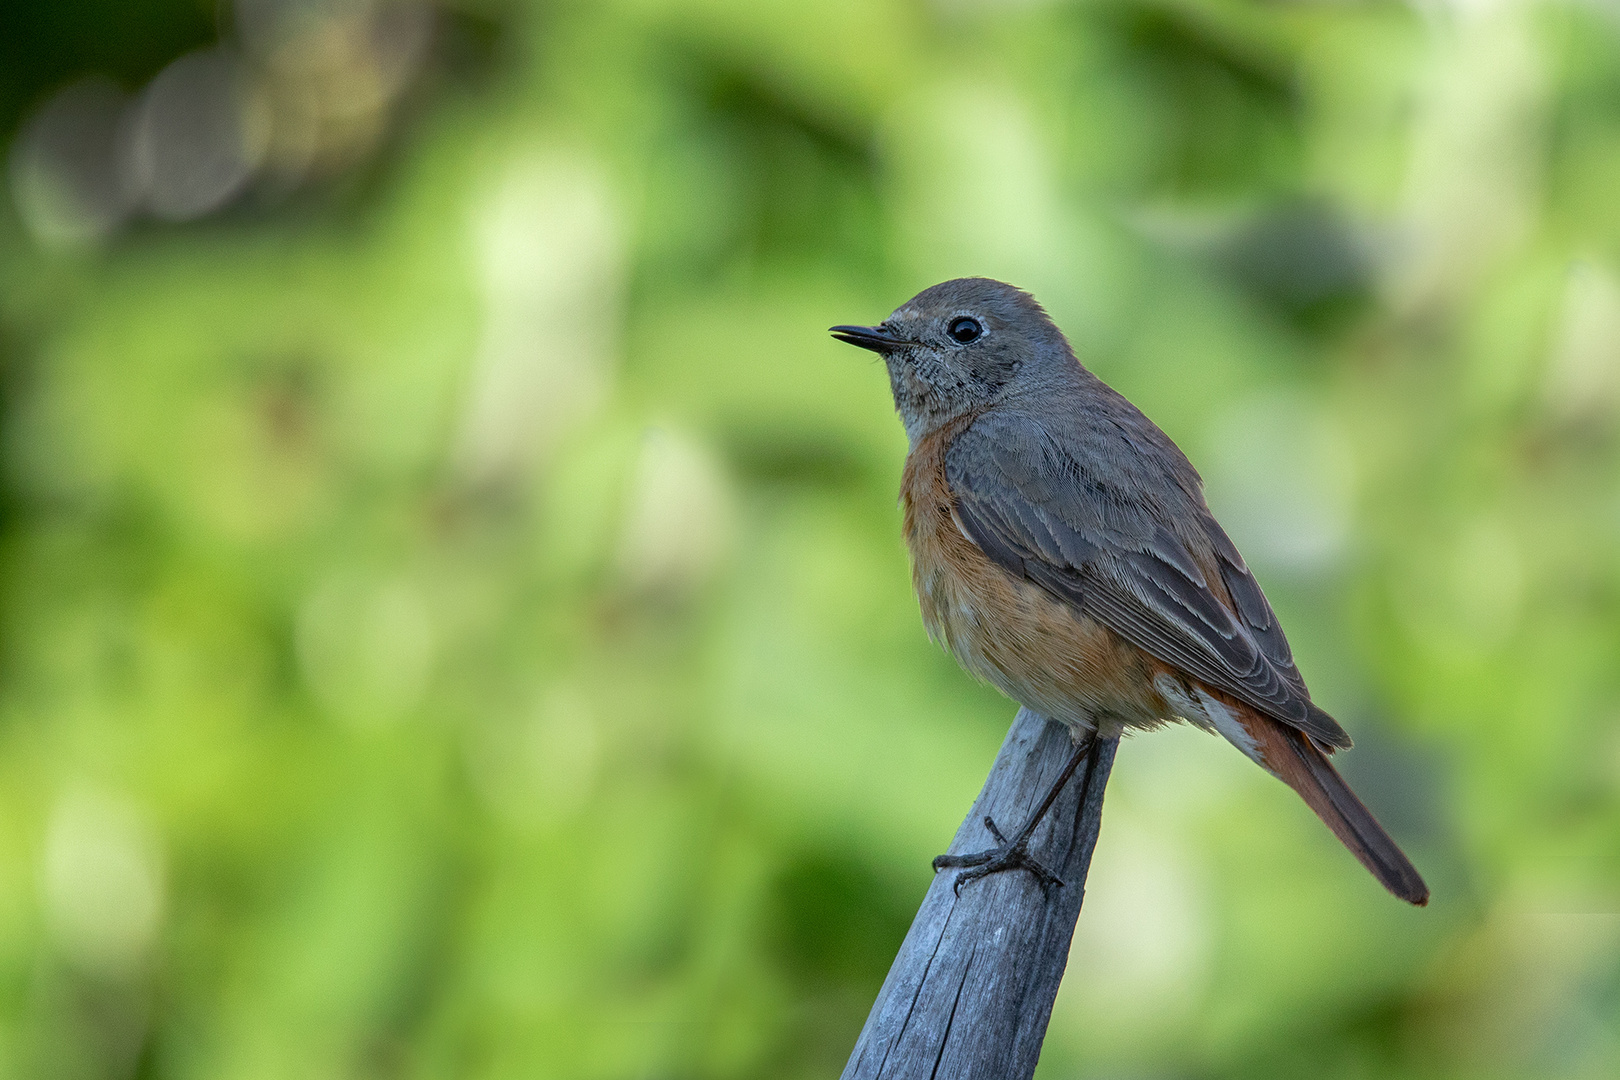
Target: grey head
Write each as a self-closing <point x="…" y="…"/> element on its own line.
<point x="963" y="345"/>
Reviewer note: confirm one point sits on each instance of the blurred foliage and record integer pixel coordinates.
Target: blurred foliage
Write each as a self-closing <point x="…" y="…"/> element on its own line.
<point x="453" y="620"/>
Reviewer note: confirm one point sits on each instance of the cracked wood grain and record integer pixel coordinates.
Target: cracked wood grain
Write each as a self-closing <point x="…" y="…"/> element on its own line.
<point x="970" y="992"/>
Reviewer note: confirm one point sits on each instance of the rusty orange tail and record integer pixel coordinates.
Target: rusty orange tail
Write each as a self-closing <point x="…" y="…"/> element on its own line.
<point x="1293" y="758"/>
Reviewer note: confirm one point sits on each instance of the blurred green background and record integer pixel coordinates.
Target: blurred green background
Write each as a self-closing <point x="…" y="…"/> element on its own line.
<point x="453" y="618"/>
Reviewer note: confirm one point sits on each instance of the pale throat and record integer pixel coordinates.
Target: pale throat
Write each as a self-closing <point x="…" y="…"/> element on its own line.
<point x="921" y="407"/>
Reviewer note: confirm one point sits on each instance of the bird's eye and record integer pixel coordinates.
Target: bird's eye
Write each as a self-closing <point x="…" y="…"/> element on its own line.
<point x="964" y="331"/>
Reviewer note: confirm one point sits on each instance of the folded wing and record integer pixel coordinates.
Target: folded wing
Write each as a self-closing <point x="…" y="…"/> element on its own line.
<point x="1083" y="533"/>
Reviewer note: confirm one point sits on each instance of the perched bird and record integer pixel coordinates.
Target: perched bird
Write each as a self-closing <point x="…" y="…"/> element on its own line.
<point x="1062" y="550"/>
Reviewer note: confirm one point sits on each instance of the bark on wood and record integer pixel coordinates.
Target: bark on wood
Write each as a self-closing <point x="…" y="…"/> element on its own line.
<point x="970" y="993"/>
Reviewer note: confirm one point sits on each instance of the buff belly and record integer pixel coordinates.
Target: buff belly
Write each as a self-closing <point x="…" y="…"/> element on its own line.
<point x="1038" y="650"/>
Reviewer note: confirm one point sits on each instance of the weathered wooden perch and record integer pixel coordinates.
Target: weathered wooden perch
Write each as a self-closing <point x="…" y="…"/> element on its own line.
<point x="971" y="991"/>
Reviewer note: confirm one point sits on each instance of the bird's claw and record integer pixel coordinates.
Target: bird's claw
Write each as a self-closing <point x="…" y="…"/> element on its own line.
<point x="1004" y="856"/>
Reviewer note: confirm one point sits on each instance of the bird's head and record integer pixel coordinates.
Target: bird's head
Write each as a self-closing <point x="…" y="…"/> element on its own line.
<point x="960" y="346"/>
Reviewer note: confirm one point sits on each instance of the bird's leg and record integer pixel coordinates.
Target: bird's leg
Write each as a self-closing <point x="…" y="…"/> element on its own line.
<point x="1014" y="854"/>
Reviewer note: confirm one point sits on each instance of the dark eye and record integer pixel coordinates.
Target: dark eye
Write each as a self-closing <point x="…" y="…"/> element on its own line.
<point x="964" y="330"/>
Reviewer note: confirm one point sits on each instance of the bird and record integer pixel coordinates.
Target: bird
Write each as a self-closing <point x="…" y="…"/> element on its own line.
<point x="1062" y="551"/>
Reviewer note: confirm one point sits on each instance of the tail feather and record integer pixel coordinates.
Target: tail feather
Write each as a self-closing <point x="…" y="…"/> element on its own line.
<point x="1299" y="763"/>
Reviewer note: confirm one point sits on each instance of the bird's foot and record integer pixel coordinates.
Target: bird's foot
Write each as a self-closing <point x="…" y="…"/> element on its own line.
<point x="1006" y="855"/>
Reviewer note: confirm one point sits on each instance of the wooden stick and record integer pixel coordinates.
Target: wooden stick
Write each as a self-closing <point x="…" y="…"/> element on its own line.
<point x="970" y="993"/>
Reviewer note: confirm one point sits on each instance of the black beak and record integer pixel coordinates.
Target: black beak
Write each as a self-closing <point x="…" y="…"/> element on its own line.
<point x="875" y="338"/>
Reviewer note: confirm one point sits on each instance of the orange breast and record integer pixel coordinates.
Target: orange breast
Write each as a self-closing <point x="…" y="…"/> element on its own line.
<point x="1037" y="649"/>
